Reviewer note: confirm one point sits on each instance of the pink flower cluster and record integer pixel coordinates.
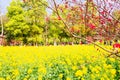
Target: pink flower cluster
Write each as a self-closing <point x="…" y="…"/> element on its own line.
<point x="92" y="26"/>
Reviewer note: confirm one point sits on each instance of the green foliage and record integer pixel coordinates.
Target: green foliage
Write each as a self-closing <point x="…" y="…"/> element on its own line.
<point x="116" y="14"/>
<point x="24" y="21"/>
<point x="16" y="24"/>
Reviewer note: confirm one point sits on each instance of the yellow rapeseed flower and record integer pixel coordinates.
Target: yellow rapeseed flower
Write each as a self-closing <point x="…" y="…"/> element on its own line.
<point x="82" y="61"/>
<point x="0" y="63"/>
<point x="109" y="66"/>
<point x="113" y="71"/>
<point x="68" y="78"/>
<point x="16" y="72"/>
<point x="50" y="64"/>
<point x="105" y="76"/>
<point x="68" y="61"/>
<point x="112" y="59"/>
<point x="98" y="68"/>
<point x="62" y="62"/>
<point x="27" y="76"/>
<point x="95" y="70"/>
<point x="14" y="64"/>
<point x="25" y="79"/>
<point x="42" y="70"/>
<point x="8" y="78"/>
<point x="82" y="79"/>
<point x="2" y="78"/>
<point x="105" y="66"/>
<point x="39" y="77"/>
<point x="84" y="70"/>
<point x="78" y="73"/>
<point x="92" y="76"/>
<point x="74" y="67"/>
<point x="102" y="78"/>
<point x="69" y="55"/>
<point x="29" y="71"/>
<point x="61" y="76"/>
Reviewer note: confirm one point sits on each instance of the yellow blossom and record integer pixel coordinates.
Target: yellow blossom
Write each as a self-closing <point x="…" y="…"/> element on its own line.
<point x="2" y="78"/>
<point x="61" y="75"/>
<point x="25" y="79"/>
<point x="82" y="79"/>
<point x="0" y="63"/>
<point x="16" y="72"/>
<point x="68" y="78"/>
<point x="102" y="78"/>
<point x="109" y="66"/>
<point x="113" y="71"/>
<point x="29" y="71"/>
<point x="68" y="61"/>
<point x="74" y="67"/>
<point x="95" y="70"/>
<point x="78" y="73"/>
<point x="50" y="64"/>
<point x="39" y="77"/>
<point x="42" y="70"/>
<point x="112" y="59"/>
<point x="8" y="78"/>
<point x="27" y="76"/>
<point x="98" y="68"/>
<point x="105" y="76"/>
<point x="43" y="59"/>
<point x="92" y="76"/>
<point x="84" y="70"/>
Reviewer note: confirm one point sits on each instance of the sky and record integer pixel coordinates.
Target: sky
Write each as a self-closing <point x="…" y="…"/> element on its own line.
<point x="3" y="5"/>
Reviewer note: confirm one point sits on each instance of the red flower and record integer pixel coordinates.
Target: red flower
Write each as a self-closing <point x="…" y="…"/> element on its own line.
<point x="117" y="45"/>
<point x="82" y="17"/>
<point x="66" y="6"/>
<point x="24" y="1"/>
<point x="68" y="16"/>
<point x="66" y="2"/>
<point x="109" y="19"/>
<point x="47" y="19"/>
<point x="100" y="17"/>
<point x="59" y="18"/>
<point x="78" y="31"/>
<point x="102" y="22"/>
<point x="80" y="9"/>
<point x="103" y="12"/>
<point x="74" y="0"/>
<point x="92" y="26"/>
<point x="100" y="41"/>
<point x="72" y="29"/>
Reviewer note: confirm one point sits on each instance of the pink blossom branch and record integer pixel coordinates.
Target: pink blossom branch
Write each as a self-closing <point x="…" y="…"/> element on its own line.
<point x="74" y="35"/>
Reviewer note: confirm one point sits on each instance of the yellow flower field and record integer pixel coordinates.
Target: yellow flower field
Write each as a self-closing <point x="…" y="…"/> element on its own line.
<point x="83" y="62"/>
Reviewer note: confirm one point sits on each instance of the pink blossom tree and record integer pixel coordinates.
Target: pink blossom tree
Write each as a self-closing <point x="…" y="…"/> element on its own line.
<point x="84" y="18"/>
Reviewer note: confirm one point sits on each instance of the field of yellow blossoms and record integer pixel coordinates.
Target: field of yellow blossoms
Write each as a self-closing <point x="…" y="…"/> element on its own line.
<point x="78" y="62"/>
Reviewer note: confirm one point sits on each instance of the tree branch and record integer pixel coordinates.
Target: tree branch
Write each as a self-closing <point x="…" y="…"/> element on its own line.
<point x="57" y="12"/>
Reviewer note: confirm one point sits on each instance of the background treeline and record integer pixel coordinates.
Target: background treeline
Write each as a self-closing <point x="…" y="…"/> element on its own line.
<point x="32" y="23"/>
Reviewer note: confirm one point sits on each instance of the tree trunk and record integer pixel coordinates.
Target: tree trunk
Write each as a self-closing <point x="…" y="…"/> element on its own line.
<point x="55" y="43"/>
<point x="46" y="34"/>
<point x="1" y="25"/>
